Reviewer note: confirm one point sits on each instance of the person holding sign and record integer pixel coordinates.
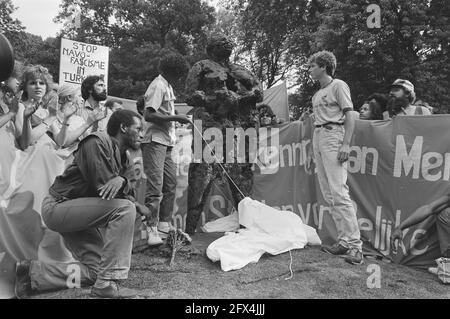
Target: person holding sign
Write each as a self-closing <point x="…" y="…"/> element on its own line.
<point x="335" y="122"/>
<point x="93" y="91"/>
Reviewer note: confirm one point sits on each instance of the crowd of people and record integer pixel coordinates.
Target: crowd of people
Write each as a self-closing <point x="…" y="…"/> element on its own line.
<point x="88" y="196"/>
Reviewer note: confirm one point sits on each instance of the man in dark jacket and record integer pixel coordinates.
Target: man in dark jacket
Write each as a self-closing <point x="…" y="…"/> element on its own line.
<point x="92" y="206"/>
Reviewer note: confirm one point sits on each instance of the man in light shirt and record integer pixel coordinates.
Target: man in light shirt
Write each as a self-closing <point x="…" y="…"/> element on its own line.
<point x="334" y="126"/>
<point x="401" y="100"/>
<point x="93" y="91"/>
<point x="157" y="145"/>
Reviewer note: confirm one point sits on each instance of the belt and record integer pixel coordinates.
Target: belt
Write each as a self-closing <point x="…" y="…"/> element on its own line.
<point x="328" y="123"/>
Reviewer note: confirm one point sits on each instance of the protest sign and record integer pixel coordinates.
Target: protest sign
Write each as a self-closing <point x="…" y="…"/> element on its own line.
<point x="79" y="60"/>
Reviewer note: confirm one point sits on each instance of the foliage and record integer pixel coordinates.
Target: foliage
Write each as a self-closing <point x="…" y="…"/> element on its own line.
<point x="140" y="32"/>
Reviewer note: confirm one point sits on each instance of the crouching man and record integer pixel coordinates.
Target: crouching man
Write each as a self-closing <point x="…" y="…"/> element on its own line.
<point x="92" y="207"/>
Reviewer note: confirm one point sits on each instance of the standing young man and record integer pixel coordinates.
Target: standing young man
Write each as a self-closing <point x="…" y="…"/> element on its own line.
<point x="334" y="125"/>
<point x="159" y="140"/>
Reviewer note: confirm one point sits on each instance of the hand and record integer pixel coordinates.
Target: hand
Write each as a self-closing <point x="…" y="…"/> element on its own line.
<point x="183" y="119"/>
<point x="14" y="105"/>
<point x="309" y="160"/>
<point x="397" y="235"/>
<point x="143" y="211"/>
<point x="97" y="115"/>
<point x="69" y="110"/>
<point x="343" y="153"/>
<point x="111" y="188"/>
<point x="198" y="98"/>
<point x="30" y="108"/>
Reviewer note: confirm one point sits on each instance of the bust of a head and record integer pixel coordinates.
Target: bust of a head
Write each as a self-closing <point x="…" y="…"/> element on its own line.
<point x="219" y="47"/>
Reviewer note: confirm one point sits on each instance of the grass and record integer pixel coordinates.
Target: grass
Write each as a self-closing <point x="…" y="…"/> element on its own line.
<point x="315" y="275"/>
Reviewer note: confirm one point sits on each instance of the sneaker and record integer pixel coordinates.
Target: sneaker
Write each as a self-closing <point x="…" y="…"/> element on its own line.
<point x="336" y="249"/>
<point x="153" y="237"/>
<point x="164" y="228"/>
<point x="354" y="256"/>
<point x="22" y="285"/>
<point x="113" y="291"/>
<point x="433" y="270"/>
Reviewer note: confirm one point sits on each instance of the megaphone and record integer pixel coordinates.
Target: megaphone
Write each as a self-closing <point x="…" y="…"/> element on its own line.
<point x="6" y="58"/>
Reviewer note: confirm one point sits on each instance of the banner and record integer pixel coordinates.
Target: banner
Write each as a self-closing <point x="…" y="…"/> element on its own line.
<point x="395" y="166"/>
<point x="277" y="98"/>
<point x="79" y="60"/>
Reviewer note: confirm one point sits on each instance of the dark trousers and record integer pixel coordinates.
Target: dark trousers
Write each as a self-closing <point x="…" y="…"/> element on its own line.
<point x="99" y="234"/>
<point x="160" y="170"/>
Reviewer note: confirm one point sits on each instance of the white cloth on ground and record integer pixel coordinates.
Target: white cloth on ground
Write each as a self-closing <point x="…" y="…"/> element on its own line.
<point x="267" y="231"/>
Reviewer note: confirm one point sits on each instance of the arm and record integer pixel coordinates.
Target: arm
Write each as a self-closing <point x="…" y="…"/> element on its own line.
<point x="345" y="103"/>
<point x="67" y="137"/>
<point x="6" y="118"/>
<point x="25" y="133"/>
<point x="157" y="118"/>
<point x="95" y="162"/>
<point x="425" y="211"/>
<point x="41" y="129"/>
<point x="418" y="216"/>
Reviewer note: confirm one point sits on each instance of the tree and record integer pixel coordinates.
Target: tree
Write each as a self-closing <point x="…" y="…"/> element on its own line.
<point x="28" y="48"/>
<point x="412" y="43"/>
<point x="271" y="39"/>
<point x="7" y="23"/>
<point x="139" y="32"/>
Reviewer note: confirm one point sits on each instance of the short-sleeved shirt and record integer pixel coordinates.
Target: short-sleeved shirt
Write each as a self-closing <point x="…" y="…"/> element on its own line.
<point x="84" y="113"/>
<point x="160" y="97"/>
<point x="330" y="102"/>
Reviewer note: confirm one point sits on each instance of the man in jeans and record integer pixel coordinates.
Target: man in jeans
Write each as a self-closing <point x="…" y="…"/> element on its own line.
<point x="92" y="207"/>
<point x="159" y="140"/>
<point x="334" y="125"/>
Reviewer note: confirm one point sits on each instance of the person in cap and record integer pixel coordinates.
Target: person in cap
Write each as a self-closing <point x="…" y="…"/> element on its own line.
<point x="401" y="100"/>
<point x="334" y="125"/>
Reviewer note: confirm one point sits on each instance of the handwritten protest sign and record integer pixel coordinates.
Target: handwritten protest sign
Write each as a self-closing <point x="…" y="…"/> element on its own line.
<point x="79" y="60"/>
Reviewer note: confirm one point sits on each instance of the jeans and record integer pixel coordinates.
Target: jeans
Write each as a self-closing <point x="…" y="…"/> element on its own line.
<point x="160" y="170"/>
<point x="443" y="232"/>
<point x="99" y="234"/>
<point x="332" y="177"/>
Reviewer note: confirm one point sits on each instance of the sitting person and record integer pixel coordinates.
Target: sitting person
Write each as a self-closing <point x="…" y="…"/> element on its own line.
<point x="401" y="100"/>
<point x="92" y="207"/>
<point x="373" y="107"/>
<point x="69" y="128"/>
<point x="440" y="208"/>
